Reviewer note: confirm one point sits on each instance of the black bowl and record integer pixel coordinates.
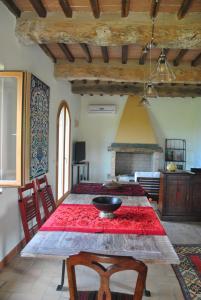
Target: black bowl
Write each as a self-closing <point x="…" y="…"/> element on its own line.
<point x="107" y="204"/>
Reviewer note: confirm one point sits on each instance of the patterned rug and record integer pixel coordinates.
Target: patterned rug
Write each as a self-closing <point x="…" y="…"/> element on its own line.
<point x="189" y="271"/>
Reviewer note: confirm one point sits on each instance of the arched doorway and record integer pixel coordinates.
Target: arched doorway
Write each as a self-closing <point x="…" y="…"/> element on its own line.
<point x="63" y="150"/>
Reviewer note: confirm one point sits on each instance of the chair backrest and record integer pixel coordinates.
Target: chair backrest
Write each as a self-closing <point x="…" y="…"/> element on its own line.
<point x="29" y="210"/>
<point x="46" y="196"/>
<point x="117" y="263"/>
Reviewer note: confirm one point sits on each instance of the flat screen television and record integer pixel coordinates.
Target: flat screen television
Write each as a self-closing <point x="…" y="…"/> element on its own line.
<point x="79" y="152"/>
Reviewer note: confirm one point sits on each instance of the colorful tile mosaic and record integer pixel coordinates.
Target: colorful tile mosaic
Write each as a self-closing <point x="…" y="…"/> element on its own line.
<point x="39" y="127"/>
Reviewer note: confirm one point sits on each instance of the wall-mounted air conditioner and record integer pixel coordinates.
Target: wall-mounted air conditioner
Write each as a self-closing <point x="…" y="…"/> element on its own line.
<point x="102" y="108"/>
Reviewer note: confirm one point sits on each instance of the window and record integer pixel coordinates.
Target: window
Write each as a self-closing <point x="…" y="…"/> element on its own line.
<point x="11" y="111"/>
<point x="63" y="150"/>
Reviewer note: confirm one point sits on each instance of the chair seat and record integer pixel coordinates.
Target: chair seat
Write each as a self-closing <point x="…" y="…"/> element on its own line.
<point x="92" y="295"/>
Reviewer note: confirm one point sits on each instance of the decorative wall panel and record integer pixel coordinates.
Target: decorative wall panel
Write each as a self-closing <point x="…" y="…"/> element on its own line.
<point x="39" y="127"/>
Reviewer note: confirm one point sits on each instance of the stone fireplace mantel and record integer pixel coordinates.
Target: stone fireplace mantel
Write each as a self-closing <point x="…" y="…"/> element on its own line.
<point x="135" y="148"/>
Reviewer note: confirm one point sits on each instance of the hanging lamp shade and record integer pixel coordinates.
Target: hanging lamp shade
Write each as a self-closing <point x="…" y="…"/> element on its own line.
<point x="163" y="71"/>
<point x="144" y="101"/>
<point x="150" y="91"/>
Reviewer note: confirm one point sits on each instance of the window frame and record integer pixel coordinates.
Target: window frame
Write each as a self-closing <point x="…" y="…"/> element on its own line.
<point x="19" y="75"/>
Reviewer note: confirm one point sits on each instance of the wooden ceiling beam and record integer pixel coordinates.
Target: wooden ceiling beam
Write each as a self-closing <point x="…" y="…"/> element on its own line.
<point x="115" y="88"/>
<point x="48" y="52"/>
<point x="125" y="7"/>
<point x="85" y="48"/>
<point x="143" y="56"/>
<point x="95" y="8"/>
<point x="177" y="60"/>
<point x="105" y="54"/>
<point x="39" y="8"/>
<point x="124" y="57"/>
<point x="10" y="4"/>
<point x="66" y="8"/>
<point x="115" y="71"/>
<point x="184" y="8"/>
<point x="111" y="31"/>
<point x="67" y="52"/>
<point x="154" y="8"/>
<point x="196" y="60"/>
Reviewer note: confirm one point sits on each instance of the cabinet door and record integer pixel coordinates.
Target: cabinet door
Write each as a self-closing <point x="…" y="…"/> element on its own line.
<point x="177" y="195"/>
<point x="196" y="195"/>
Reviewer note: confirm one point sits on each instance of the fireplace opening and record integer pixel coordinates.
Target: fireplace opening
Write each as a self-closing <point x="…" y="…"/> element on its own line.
<point x="129" y="163"/>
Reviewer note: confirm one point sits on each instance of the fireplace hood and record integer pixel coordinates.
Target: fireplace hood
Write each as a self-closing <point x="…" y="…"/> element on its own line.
<point x="135" y="132"/>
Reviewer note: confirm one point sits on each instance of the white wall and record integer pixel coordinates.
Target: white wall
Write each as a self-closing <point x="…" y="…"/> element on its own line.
<point x="18" y="57"/>
<point x="179" y="118"/>
<point x="171" y="118"/>
<point x="99" y="130"/>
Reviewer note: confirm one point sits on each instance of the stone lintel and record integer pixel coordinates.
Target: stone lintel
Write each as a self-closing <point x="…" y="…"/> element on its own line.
<point x="135" y="148"/>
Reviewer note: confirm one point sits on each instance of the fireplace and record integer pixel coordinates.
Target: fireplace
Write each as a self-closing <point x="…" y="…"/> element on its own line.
<point x="131" y="158"/>
<point x="135" y="148"/>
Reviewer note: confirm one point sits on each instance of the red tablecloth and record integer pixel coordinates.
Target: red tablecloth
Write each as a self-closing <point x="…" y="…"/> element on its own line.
<point x="99" y="189"/>
<point x="85" y="218"/>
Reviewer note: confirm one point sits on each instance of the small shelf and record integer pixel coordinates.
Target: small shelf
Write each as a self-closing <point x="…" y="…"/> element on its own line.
<point x="175" y="151"/>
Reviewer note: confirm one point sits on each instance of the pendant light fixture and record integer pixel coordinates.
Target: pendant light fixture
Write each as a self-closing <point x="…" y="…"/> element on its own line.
<point x="163" y="71"/>
<point x="144" y="101"/>
<point x="149" y="90"/>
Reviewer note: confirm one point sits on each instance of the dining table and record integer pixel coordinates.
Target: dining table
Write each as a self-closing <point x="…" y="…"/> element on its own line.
<point x="60" y="244"/>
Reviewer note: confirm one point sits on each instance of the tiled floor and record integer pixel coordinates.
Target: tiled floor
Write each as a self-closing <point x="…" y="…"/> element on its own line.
<point x="36" y="279"/>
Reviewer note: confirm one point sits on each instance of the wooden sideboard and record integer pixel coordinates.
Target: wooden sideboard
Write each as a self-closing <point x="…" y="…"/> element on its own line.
<point x="180" y="196"/>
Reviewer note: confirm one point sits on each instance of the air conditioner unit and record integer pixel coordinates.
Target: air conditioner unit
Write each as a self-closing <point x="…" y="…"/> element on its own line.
<point x="102" y="108"/>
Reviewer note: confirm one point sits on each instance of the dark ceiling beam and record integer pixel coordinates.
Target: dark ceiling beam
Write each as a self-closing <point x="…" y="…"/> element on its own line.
<point x="128" y="88"/>
<point x="48" y="52"/>
<point x="125" y="7"/>
<point x="66" y="8"/>
<point x="39" y="8"/>
<point x="67" y="52"/>
<point x="143" y="56"/>
<point x="184" y="8"/>
<point x="177" y="60"/>
<point x="85" y="48"/>
<point x="196" y="60"/>
<point x="105" y="54"/>
<point x="95" y="8"/>
<point x="12" y="7"/>
<point x="154" y="8"/>
<point x="124" y="57"/>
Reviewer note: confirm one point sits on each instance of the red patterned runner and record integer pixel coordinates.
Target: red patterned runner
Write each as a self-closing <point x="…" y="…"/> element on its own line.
<point x="99" y="189"/>
<point x="85" y="218"/>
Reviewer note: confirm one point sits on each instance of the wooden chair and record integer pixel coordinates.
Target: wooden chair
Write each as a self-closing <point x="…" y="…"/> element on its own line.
<point x="46" y="196"/>
<point x="29" y="210"/>
<point x="49" y="206"/>
<point x="117" y="263"/>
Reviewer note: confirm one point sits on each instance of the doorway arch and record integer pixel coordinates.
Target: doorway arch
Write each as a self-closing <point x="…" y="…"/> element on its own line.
<point x="63" y="151"/>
